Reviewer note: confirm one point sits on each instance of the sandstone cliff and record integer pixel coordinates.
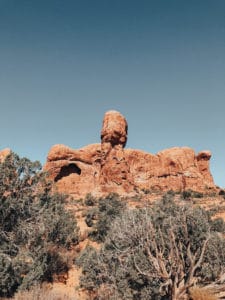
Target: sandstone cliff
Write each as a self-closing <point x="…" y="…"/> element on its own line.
<point x="109" y="167"/>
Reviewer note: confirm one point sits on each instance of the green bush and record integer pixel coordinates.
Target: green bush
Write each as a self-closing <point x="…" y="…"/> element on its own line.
<point x="155" y="253"/>
<point x="87" y="260"/>
<point x="188" y="194"/>
<point x="90" y="200"/>
<point x="35" y="228"/>
<point x="218" y="225"/>
<point x="101" y="216"/>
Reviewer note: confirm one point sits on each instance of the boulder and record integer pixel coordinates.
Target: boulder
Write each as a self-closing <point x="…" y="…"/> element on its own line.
<point x="114" y="129"/>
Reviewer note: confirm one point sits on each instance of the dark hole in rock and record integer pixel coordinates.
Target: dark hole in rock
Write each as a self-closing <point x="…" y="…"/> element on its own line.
<point x="67" y="170"/>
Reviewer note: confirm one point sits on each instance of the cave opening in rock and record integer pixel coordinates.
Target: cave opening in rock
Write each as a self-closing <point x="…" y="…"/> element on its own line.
<point x="67" y="170"/>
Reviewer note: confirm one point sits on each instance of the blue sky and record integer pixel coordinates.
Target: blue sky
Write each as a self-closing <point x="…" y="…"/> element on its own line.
<point x="63" y="63"/>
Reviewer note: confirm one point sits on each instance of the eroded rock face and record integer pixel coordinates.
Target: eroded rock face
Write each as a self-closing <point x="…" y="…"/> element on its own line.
<point x="114" y="129"/>
<point x="74" y="171"/>
<point x="108" y="167"/>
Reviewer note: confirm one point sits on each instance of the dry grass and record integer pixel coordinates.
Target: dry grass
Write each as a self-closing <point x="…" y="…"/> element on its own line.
<point x="43" y="293"/>
<point x="56" y="291"/>
<point x="198" y="293"/>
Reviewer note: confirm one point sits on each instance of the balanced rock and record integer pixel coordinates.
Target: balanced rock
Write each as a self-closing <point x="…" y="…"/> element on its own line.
<point x="109" y="167"/>
<point x="114" y="129"/>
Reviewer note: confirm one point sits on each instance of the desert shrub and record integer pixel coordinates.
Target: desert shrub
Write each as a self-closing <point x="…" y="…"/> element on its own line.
<point x="90" y="200"/>
<point x="156" y="253"/>
<point x="101" y="216"/>
<point x="197" y="194"/>
<point x="146" y="191"/>
<point x="8" y="277"/>
<point x="90" y="217"/>
<point x="172" y="193"/>
<point x="35" y="228"/>
<point x="87" y="260"/>
<point x="188" y="194"/>
<point x="218" y="225"/>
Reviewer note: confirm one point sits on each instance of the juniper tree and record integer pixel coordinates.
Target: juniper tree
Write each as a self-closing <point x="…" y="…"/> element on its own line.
<point x="157" y="253"/>
<point x="34" y="226"/>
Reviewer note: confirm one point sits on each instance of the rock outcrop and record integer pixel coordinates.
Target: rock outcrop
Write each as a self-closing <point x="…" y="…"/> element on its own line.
<point x="109" y="167"/>
<point x="4" y="153"/>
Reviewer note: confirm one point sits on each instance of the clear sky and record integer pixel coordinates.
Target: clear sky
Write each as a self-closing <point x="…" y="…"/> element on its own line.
<point x="63" y="63"/>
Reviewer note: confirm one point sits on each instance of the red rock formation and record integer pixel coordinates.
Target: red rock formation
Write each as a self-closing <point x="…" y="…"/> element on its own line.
<point x="4" y="153"/>
<point x="108" y="167"/>
<point x="114" y="129"/>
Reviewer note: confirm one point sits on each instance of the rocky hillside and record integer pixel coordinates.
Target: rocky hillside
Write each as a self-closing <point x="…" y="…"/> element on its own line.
<point x="109" y="167"/>
<point x="140" y="179"/>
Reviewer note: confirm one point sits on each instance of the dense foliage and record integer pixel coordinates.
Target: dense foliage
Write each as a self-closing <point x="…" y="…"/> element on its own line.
<point x="156" y="253"/>
<point x="35" y="228"/>
<point x="102" y="213"/>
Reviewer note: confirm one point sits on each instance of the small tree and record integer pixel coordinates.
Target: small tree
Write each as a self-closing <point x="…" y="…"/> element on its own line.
<point x="156" y="253"/>
<point x="35" y="228"/>
<point x="101" y="216"/>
